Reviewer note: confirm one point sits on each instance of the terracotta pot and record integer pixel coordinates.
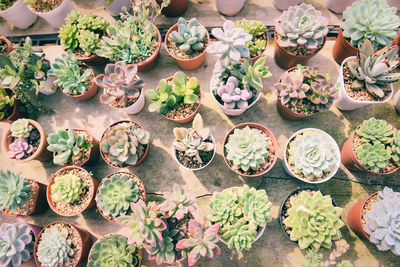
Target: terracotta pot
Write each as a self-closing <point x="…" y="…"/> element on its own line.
<point x="88" y="94"/>
<point x="175" y="8"/>
<point x="188" y="118"/>
<point x="186" y="64"/>
<point x="285" y="4"/>
<point x="35" y="230"/>
<point x="285" y="60"/>
<point x="84" y="237"/>
<point x="92" y="59"/>
<point x="88" y="206"/>
<point x="146" y="152"/>
<point x="354" y="217"/>
<point x="349" y="157"/>
<point x="41" y="154"/>
<point x="229" y="8"/>
<point x="143" y="197"/>
<point x="266" y="131"/>
<point x="8" y="43"/>
<point x="149" y="63"/>
<point x="342" y="49"/>
<point x="15" y="114"/>
<point x="40" y="204"/>
<point x="396" y="41"/>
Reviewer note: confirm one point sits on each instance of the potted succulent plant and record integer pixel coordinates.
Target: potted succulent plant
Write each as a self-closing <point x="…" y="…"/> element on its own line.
<point x="250" y="149"/>
<point x="124" y="144"/>
<point x="177" y="98"/>
<point x="338" y="6"/>
<point x="114" y="250"/>
<point x="376" y="219"/>
<point x="285" y="4"/>
<point x="61" y="244"/>
<point x="174" y="8"/>
<point x="168" y="231"/>
<point x="299" y="35"/>
<point x="25" y="140"/>
<point x="75" y="79"/>
<point x="187" y="43"/>
<point x="118" y="44"/>
<point x="21" y="197"/>
<point x="311" y="219"/>
<point x="243" y="213"/>
<point x="316" y="259"/>
<point x="373" y="147"/>
<point x="194" y="148"/>
<point x="73" y="147"/>
<point x="312" y="156"/>
<point x="71" y="191"/>
<point x="17" y="241"/>
<point x="17" y="13"/>
<point x="123" y="89"/>
<point x="115" y="7"/>
<point x="82" y="34"/>
<point x="54" y="12"/>
<point x="356" y="27"/>
<point x="368" y="78"/>
<point x="8" y="105"/>
<point x="116" y="193"/>
<point x="229" y="8"/>
<point x="304" y="91"/>
<point x="258" y="43"/>
<point x="5" y="45"/>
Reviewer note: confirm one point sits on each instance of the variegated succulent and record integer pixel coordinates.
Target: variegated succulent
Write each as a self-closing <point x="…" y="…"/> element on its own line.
<point x="177" y="203"/>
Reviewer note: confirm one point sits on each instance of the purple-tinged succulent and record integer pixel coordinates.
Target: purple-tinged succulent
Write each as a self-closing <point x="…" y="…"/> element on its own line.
<point x="233" y="96"/>
<point x="177" y="203"/>
<point x="121" y="82"/>
<point x="291" y="87"/>
<point x="19" y="149"/>
<point x="322" y="94"/>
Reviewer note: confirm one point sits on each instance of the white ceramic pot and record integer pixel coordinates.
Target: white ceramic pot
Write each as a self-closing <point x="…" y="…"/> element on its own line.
<point x="345" y="102"/>
<point x="285" y="4"/>
<point x="334" y="169"/>
<point x="56" y="17"/>
<point x="229" y="8"/>
<point x="115" y="8"/>
<point x="19" y="15"/>
<point x="180" y="164"/>
<point x="135" y="107"/>
<point x="49" y="83"/>
<point x="396" y="100"/>
<point x="338" y="6"/>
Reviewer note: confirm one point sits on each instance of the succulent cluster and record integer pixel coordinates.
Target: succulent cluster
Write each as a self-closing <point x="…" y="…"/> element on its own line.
<point x="170" y="94"/>
<point x="193" y="140"/>
<point x="116" y="194"/>
<point x="302" y="26"/>
<point x="6" y="102"/>
<point x="382" y="221"/>
<point x="246" y="149"/>
<point x="370" y="19"/>
<point x="312" y="154"/>
<point x="374" y="71"/>
<point x="68" y="145"/>
<point x="82" y="33"/>
<point x="14" y="190"/>
<point x="314" y="259"/>
<point x="113" y="250"/>
<point x="72" y="75"/>
<point x="313" y="220"/>
<point x="20" y="148"/>
<point x="177" y="203"/>
<point x="124" y="143"/>
<point x="259" y="32"/>
<point x="67" y="188"/>
<point x="54" y="248"/>
<point x="189" y="36"/>
<point x="16" y="244"/>
<point x="241" y="212"/>
<point x="233" y="96"/>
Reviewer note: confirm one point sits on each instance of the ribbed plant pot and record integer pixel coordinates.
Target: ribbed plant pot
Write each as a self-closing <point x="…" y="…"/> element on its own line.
<point x="15" y="113"/>
<point x="19" y="15"/>
<point x="115" y="8"/>
<point x="56" y="17"/>
<point x="149" y="63"/>
<point x="92" y="59"/>
<point x="186" y="64"/>
<point x="285" y="4"/>
<point x="90" y="204"/>
<point x="342" y="49"/>
<point x="41" y="154"/>
<point x="91" y="92"/>
<point x="354" y="217"/>
<point x="267" y="132"/>
<point x="84" y="237"/>
<point x="40" y="203"/>
<point x="338" y="6"/>
<point x="175" y="8"/>
<point x="229" y="8"/>
<point x="8" y="43"/>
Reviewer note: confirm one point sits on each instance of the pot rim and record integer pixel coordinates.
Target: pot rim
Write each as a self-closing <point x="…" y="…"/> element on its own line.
<point x="5" y="10"/>
<point x="361" y="215"/>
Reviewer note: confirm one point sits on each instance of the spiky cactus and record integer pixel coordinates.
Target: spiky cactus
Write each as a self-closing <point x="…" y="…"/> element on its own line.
<point x="14" y="190"/>
<point x="177" y="203"/>
<point x="67" y="188"/>
<point x="375" y="131"/>
<point x="189" y="36"/>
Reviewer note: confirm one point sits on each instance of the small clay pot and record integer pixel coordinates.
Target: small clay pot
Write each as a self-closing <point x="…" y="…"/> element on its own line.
<point x="149" y="63"/>
<point x="41" y="154"/>
<point x="84" y="238"/>
<point x="8" y="43"/>
<point x="266" y="131"/>
<point x="396" y="41"/>
<point x="349" y="157"/>
<point x="175" y="8"/>
<point x="40" y="204"/>
<point x="342" y="49"/>
<point x="15" y="114"/>
<point x="88" y="206"/>
<point x="88" y="94"/>
<point x="91" y="60"/>
<point x="354" y="217"/>
<point x="188" y="118"/>
<point x="94" y="153"/>
<point x="146" y="152"/>
<point x="186" y="64"/>
<point x="143" y="196"/>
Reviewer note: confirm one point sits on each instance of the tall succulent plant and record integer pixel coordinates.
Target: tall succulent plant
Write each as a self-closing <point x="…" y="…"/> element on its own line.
<point x="67" y="188"/>
<point x="189" y="36"/>
<point x="14" y="190"/>
<point x="177" y="203"/>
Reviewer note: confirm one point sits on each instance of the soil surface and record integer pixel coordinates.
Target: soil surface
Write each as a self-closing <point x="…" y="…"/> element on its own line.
<point x="45" y="5"/>
<point x="29" y="205"/>
<point x="174" y="49"/>
<point x="192" y="162"/>
<point x="367" y="207"/>
<point x="300" y="50"/>
<point x="129" y="102"/>
<point x="182" y="111"/>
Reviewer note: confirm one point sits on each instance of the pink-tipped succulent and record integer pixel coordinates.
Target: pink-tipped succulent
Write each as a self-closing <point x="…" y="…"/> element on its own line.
<point x="201" y="241"/>
<point x="121" y="82"/>
<point x="177" y="204"/>
<point x="291" y="87"/>
<point x="322" y="94"/>
<point x="233" y="96"/>
<point x="19" y="149"/>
